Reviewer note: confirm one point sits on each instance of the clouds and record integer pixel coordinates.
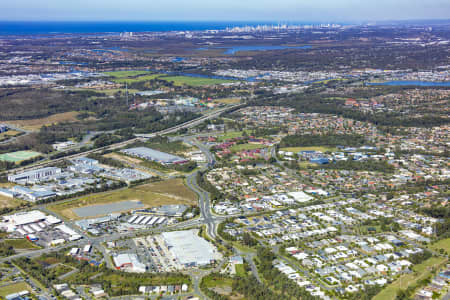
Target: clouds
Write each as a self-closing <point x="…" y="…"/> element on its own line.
<point x="273" y="10"/>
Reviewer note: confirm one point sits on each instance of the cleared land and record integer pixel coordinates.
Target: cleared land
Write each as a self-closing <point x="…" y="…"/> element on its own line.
<point x="194" y="81"/>
<point x="14" y="288"/>
<point x="9" y="133"/>
<point x="314" y="148"/>
<point x="18" y="156"/>
<point x="171" y="191"/>
<point x="421" y="271"/>
<point x="228" y="100"/>
<point x="36" y="124"/>
<point x="123" y="158"/>
<point x="10" y="202"/>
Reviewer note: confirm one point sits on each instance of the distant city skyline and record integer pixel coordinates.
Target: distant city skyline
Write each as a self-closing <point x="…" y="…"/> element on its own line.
<point x="231" y="10"/>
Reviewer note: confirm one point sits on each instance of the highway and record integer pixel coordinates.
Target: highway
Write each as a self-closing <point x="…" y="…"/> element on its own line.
<point x="174" y="129"/>
<point x="206" y="216"/>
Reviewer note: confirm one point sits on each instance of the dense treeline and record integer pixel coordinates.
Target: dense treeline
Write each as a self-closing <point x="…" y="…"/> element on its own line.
<point x="305" y="140"/>
<point x="31" y="103"/>
<point x="186" y="167"/>
<point x="368" y="165"/>
<point x="420" y="257"/>
<point x="215" y="194"/>
<point x="253" y="290"/>
<point x="442" y="228"/>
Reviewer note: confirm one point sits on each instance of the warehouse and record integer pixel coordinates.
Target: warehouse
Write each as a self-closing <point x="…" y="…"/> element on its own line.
<point x="190" y="249"/>
<point x="155" y="155"/>
<point x="35" y="175"/>
<point x="128" y="262"/>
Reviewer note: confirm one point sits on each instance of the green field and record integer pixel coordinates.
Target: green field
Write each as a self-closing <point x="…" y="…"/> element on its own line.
<point x="18" y="156"/>
<point x="240" y="270"/>
<point x="314" y="148"/>
<point x="230" y="135"/>
<point x="137" y="79"/>
<point x="124" y="74"/>
<point x="422" y="271"/>
<point x="110" y="92"/>
<point x="213" y="281"/>
<point x="241" y="147"/>
<point x="442" y="244"/>
<point x="14" y="288"/>
<point x="21" y="244"/>
<point x="194" y="81"/>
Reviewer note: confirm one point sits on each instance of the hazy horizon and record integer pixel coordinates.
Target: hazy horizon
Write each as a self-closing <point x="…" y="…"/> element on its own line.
<point x="229" y="11"/>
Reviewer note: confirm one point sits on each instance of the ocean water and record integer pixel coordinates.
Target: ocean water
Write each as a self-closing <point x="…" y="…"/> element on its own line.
<point x="41" y="27"/>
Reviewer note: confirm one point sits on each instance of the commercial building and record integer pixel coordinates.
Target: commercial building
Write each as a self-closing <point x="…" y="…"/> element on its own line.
<point x="154" y="155"/>
<point x="128" y="262"/>
<point x="32" y="195"/>
<point x="190" y="249"/>
<point x="35" y="175"/>
<point x="63" y="145"/>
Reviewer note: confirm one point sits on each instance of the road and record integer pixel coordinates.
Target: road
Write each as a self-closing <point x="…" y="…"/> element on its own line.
<point x="206" y="217"/>
<point x="15" y="128"/>
<point x="174" y="129"/>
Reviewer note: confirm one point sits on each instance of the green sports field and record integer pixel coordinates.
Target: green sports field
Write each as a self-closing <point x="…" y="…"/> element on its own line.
<point x="18" y="156"/>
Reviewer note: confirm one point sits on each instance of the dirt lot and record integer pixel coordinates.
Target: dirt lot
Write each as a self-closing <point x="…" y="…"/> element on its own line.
<point x="171" y="191"/>
<point x="35" y="124"/>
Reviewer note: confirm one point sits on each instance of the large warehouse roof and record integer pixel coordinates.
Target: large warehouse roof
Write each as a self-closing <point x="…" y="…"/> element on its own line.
<point x="189" y="248"/>
<point x="26" y="217"/>
<point x="155" y="155"/>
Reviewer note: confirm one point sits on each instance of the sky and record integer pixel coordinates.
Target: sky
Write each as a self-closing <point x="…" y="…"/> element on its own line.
<point x="223" y="10"/>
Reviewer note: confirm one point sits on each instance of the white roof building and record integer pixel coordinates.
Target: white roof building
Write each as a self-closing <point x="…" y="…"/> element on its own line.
<point x="189" y="248"/>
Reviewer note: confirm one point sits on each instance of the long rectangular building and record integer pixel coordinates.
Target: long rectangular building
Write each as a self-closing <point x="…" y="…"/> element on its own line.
<point x="155" y="155"/>
<point x="34" y="175"/>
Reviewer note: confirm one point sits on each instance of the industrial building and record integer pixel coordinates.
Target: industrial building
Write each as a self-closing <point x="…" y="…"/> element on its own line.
<point x="31" y="195"/>
<point x="155" y="155"/>
<point x="35" y="175"/>
<point x="189" y="249"/>
<point x="27" y="222"/>
<point x="128" y="262"/>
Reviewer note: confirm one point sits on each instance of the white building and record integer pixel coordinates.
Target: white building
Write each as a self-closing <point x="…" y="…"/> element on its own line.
<point x="35" y="175"/>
